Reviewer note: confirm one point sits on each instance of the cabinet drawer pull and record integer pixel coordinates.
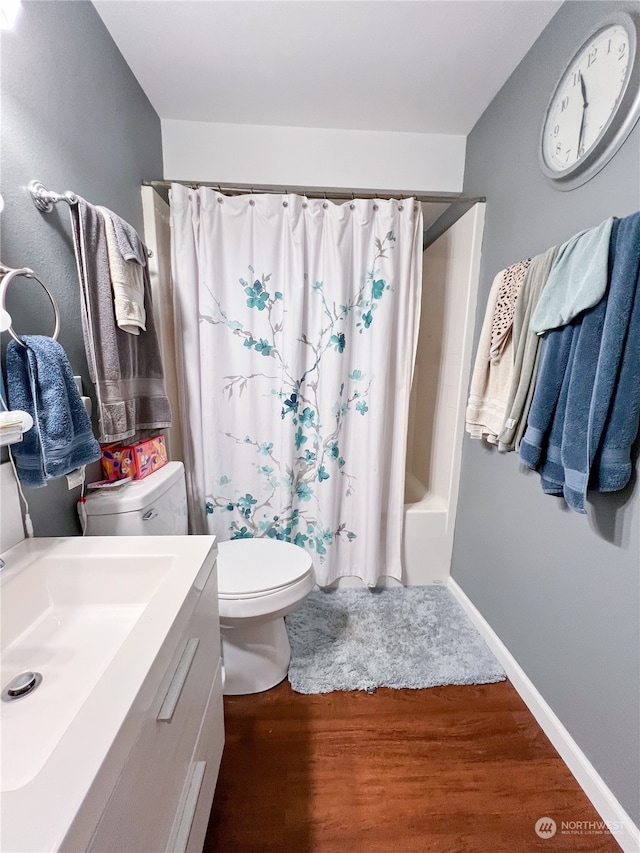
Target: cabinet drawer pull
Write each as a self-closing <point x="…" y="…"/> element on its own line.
<point x="182" y="828"/>
<point x="177" y="682"/>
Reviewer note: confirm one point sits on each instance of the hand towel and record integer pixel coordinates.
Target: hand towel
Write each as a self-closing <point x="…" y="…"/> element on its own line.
<point x="526" y="346"/>
<point x="126" y="369"/>
<point x="127" y="280"/>
<point x="491" y="378"/>
<point x="131" y="246"/>
<point x="577" y="281"/>
<point x="608" y="425"/>
<point x="40" y="382"/>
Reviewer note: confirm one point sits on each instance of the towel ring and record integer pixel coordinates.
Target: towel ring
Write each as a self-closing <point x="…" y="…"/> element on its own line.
<point x="27" y="273"/>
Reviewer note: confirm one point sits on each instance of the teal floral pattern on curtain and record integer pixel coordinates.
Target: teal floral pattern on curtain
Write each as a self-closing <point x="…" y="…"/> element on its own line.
<point x="283" y="511"/>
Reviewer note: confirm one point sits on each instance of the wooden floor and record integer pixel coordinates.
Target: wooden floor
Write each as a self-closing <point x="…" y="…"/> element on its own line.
<point x="449" y="770"/>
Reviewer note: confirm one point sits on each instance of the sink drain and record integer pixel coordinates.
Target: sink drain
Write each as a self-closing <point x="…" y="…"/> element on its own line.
<point x="20" y="686"/>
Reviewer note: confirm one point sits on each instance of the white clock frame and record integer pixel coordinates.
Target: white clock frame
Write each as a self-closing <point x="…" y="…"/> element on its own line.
<point x="621" y="121"/>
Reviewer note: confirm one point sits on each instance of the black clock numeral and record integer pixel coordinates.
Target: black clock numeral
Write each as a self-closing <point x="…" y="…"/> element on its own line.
<point x="622" y="50"/>
<point x="556" y="130"/>
<point x="624" y="74"/>
<point x="609" y="46"/>
<point x="558" y="147"/>
<point x="593" y="54"/>
<point x="564" y="104"/>
<point x="567" y="154"/>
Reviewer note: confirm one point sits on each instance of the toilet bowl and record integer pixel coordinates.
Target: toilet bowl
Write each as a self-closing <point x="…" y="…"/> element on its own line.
<point x="259" y="580"/>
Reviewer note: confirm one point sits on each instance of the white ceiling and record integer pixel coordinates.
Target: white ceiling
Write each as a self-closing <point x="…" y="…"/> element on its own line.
<point x="426" y="66"/>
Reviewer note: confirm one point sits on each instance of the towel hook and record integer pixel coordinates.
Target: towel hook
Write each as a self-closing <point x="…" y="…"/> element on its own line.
<point x="27" y="273"/>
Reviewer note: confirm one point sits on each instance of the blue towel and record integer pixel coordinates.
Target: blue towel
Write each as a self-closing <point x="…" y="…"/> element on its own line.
<point x="612" y="467"/>
<point x="40" y="382"/>
<point x="612" y="420"/>
<point x="555" y="353"/>
<point x="577" y="281"/>
<point x="572" y="446"/>
<point x="586" y="408"/>
<point x="550" y="468"/>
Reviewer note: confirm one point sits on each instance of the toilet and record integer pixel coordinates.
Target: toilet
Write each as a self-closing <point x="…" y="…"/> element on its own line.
<point x="259" y="580"/>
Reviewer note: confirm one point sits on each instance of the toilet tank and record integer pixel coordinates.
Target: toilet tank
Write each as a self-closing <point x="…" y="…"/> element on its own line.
<point x="154" y="506"/>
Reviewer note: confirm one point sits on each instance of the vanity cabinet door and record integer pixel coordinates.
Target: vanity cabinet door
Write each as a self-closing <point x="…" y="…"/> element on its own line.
<point x="192" y="819"/>
<point x="142" y="810"/>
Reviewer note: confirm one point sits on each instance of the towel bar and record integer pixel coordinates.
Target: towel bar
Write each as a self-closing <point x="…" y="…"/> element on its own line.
<point x="9" y="275"/>
<point x="44" y="199"/>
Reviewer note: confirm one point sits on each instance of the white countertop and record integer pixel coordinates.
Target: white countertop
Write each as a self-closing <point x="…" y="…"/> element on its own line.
<point x="37" y="815"/>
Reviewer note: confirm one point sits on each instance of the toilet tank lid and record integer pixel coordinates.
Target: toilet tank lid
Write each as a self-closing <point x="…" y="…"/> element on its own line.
<point x="137" y="494"/>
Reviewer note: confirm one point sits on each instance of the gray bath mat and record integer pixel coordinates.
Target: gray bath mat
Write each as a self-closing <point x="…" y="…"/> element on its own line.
<point x="355" y="639"/>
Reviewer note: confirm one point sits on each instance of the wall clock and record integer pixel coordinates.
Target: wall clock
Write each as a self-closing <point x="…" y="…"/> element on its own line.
<point x="594" y="105"/>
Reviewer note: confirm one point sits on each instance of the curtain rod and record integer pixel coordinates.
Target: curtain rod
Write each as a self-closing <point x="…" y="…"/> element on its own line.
<point x="321" y="192"/>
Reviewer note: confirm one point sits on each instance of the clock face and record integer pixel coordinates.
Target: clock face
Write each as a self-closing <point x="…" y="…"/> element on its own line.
<point x="586" y="99"/>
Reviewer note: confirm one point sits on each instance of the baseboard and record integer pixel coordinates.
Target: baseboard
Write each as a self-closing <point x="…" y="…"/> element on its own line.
<point x="625" y="832"/>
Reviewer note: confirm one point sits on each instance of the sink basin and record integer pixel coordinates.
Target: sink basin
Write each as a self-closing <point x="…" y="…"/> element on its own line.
<point x="64" y="617"/>
<point x="90" y="615"/>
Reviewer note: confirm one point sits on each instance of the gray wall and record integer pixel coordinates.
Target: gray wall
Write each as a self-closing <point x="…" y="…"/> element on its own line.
<point x="73" y="117"/>
<point x="562" y="591"/>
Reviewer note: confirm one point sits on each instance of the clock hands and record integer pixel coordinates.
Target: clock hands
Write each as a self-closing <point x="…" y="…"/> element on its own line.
<point x="585" y="104"/>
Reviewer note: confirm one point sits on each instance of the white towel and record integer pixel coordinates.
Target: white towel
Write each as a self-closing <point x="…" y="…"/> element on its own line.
<point x="491" y="378"/>
<point x="127" y="282"/>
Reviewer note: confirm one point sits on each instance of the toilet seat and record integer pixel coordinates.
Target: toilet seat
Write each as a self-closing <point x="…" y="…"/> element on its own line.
<point x="234" y="597"/>
<point x="255" y="568"/>
<point x="240" y="611"/>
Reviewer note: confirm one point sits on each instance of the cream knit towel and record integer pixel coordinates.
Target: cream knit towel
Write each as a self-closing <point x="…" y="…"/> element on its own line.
<point x="491" y="378"/>
<point x="126" y="280"/>
<point x="525" y="345"/>
<point x="506" y="305"/>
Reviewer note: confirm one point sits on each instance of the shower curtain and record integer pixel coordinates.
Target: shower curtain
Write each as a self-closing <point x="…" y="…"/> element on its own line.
<point x="297" y="322"/>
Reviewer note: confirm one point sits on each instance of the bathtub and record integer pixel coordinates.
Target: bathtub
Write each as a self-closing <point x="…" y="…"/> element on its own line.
<point x="451" y="267"/>
<point x="427" y="540"/>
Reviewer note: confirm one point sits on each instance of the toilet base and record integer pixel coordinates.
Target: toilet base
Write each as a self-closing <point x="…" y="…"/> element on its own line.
<point x="255" y="656"/>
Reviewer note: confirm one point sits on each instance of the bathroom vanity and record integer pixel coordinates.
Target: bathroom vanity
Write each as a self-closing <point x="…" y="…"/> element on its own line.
<point x="119" y="747"/>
